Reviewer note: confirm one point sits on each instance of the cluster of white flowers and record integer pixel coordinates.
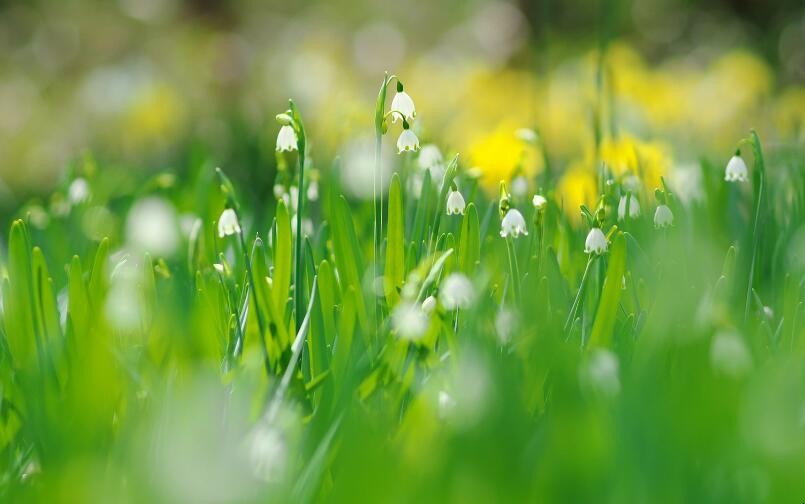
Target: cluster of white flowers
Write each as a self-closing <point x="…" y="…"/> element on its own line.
<point x="402" y="107"/>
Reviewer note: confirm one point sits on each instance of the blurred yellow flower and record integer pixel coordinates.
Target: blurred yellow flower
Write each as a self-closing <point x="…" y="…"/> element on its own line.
<point x="155" y="116"/>
<point x="577" y="187"/>
<point x="789" y="113"/>
<point x="501" y="154"/>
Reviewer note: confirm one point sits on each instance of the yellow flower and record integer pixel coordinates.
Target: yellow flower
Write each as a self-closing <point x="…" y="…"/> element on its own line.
<point x="629" y="155"/>
<point x="155" y="115"/>
<point x="577" y="187"/>
<point x="789" y="113"/>
<point x="500" y="154"/>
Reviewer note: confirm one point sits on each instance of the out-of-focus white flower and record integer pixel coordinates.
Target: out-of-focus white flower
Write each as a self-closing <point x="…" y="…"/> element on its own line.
<point x="219" y="268"/>
<point x="634" y="207"/>
<point x="596" y="242"/>
<point x="313" y="190"/>
<point x="632" y="183"/>
<point x="663" y="217"/>
<point x="267" y="452"/>
<point x="602" y="372"/>
<point x="228" y="223"/>
<point x="429" y="304"/>
<point x="456" y="292"/>
<point x="527" y="135"/>
<point x="455" y="203"/>
<point x="402" y="107"/>
<point x="152" y="226"/>
<point x="729" y="355"/>
<point x="520" y="186"/>
<point x="768" y="312"/>
<point x="307" y="226"/>
<point x="279" y="192"/>
<point x="407" y="142"/>
<point x="513" y="224"/>
<point x="293" y="198"/>
<point x="286" y="139"/>
<point x="430" y="157"/>
<point x="539" y="202"/>
<point x="736" y="170"/>
<point x="78" y="192"/>
<point x="409" y="320"/>
<point x="505" y="325"/>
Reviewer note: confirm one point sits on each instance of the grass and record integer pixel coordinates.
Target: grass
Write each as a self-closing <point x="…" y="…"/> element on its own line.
<point x="270" y="365"/>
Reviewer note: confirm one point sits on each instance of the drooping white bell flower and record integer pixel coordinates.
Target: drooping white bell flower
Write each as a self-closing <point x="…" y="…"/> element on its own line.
<point x="596" y="242"/>
<point x="286" y="139"/>
<point x="456" y="292"/>
<point x="429" y="304"/>
<point x="455" y="203"/>
<point x="402" y="107"/>
<point x="736" y="170"/>
<point x="513" y="224"/>
<point x="409" y="320"/>
<point x="313" y="190"/>
<point x="228" y="223"/>
<point x="78" y="192"/>
<point x="407" y="142"/>
<point x="539" y="202"/>
<point x="634" y="208"/>
<point x="663" y="217"/>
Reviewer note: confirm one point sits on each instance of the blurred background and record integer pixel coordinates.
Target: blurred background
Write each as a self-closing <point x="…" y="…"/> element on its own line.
<point x="148" y="85"/>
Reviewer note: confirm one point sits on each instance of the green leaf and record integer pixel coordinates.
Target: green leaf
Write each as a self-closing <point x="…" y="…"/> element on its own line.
<point x="283" y="252"/>
<point x="469" y="245"/>
<point x="610" y="295"/>
<point x="394" y="274"/>
<point x="19" y="303"/>
<point x="348" y="258"/>
<point x="78" y="300"/>
<point x="98" y="277"/>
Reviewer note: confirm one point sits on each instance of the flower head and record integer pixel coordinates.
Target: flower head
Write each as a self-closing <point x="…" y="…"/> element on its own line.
<point x="228" y="223"/>
<point x="736" y="169"/>
<point x="78" y="191"/>
<point x="409" y="320"/>
<point x="663" y="217"/>
<point x="429" y="304"/>
<point x="402" y="106"/>
<point x="455" y="203"/>
<point x="729" y="355"/>
<point x="513" y="224"/>
<point x="634" y="207"/>
<point x="407" y="142"/>
<point x="152" y="226"/>
<point x="430" y="157"/>
<point x="596" y="242"/>
<point x="456" y="292"/>
<point x="286" y="139"/>
<point x="539" y="202"/>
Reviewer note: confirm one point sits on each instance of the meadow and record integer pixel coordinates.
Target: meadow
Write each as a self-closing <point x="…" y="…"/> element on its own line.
<point x="553" y="310"/>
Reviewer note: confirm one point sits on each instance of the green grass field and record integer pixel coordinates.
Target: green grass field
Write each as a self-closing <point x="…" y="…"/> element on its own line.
<point x="609" y="333"/>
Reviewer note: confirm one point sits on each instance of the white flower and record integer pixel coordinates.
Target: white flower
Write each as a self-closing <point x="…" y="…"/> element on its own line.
<point x="602" y="372"/>
<point x="78" y="192"/>
<point x="429" y="304"/>
<point x="456" y="292"/>
<point x="267" y="452"/>
<point x="634" y="208"/>
<point x="596" y="242"/>
<point x="505" y="325"/>
<point x="219" y="267"/>
<point x="430" y="157"/>
<point x="736" y="170"/>
<point x="539" y="202"/>
<point x="663" y="217"/>
<point x="446" y="404"/>
<point x="407" y="142"/>
<point x="729" y="355"/>
<point x="513" y="224"/>
<point x="228" y="223"/>
<point x="286" y="139"/>
<point x="402" y="107"/>
<point x="455" y="203"/>
<point x="768" y="312"/>
<point x="279" y="192"/>
<point x="409" y="320"/>
<point x="152" y="226"/>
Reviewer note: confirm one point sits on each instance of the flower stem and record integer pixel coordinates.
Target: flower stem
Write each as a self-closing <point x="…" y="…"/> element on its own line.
<point x="514" y="270"/>
<point x="577" y="300"/>
<point x="761" y="169"/>
<point x="253" y="287"/>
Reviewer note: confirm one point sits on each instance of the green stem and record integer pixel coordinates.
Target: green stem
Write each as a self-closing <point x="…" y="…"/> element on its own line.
<point x="761" y="168"/>
<point x="253" y="287"/>
<point x="514" y="270"/>
<point x="577" y="300"/>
